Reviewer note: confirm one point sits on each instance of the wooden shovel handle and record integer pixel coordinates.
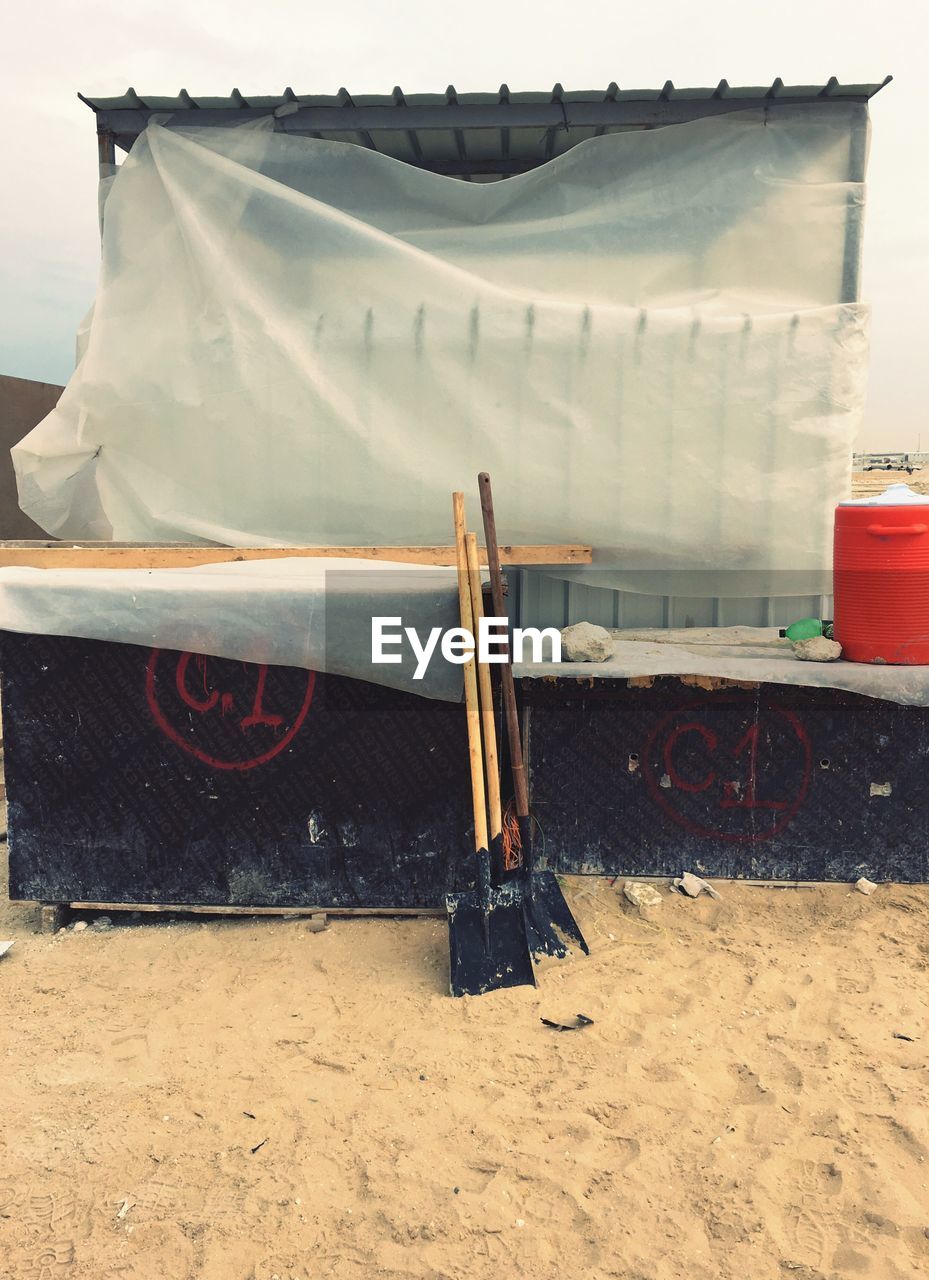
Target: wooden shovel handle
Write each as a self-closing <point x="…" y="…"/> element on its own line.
<point x="520" y="785"/>
<point x="491" y="765"/>
<point x="470" y="681"/>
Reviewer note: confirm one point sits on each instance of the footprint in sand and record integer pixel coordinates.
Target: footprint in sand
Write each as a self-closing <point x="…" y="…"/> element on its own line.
<point x="779" y="1073"/>
<point x="917" y="1241"/>
<point x="905" y="1138"/>
<point x="865" y="1090"/>
<point x="476" y="1178"/>
<point x="813" y="1178"/>
<point x="858" y="981"/>
<point x="52" y="1212"/>
<point x="562" y="1206"/>
<point x="750" y="1090"/>
<point x="48" y="1261"/>
<point x="612" y="1117"/>
<point x="578" y="1130"/>
<point x="807" y="1236"/>
<point x="847" y="1261"/>
<point x="627" y="1151"/>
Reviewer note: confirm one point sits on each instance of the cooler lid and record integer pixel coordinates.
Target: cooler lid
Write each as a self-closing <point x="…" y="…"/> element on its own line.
<point x="895" y="495"/>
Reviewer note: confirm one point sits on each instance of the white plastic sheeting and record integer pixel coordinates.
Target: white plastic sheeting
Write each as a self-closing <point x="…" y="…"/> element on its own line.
<point x="298" y="342"/>
<point x="294" y="612"/>
<point x="316" y="613"/>
<point x="738" y="653"/>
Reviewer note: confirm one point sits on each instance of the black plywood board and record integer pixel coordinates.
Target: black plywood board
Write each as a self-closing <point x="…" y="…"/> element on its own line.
<point x="778" y="782"/>
<point x="141" y="776"/>
<point x="148" y="776"/>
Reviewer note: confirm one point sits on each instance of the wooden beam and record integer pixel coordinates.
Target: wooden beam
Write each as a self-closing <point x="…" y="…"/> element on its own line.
<point x="187" y="908"/>
<point x="112" y="555"/>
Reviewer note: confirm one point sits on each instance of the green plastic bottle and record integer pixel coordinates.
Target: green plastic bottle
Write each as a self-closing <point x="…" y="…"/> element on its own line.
<point x="805" y="629"/>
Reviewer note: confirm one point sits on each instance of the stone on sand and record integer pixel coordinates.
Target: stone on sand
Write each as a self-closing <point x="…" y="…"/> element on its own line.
<point x="817" y="649"/>
<point x="643" y="896"/>
<point x="586" y="642"/>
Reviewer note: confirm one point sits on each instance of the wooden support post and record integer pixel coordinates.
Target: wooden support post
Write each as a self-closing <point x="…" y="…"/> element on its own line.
<point x="106" y="164"/>
<point x="51" y="917"/>
<point x="106" y="152"/>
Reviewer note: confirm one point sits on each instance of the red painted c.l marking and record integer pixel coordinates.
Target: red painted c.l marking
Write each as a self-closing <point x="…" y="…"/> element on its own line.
<point x="180" y="680"/>
<point x="711" y="740"/>
<point x="258" y="716"/>
<point x="666" y="736"/>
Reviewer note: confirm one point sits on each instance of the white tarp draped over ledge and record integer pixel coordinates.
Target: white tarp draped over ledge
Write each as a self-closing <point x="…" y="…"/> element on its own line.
<point x="292" y="612"/>
<point x="303" y="342"/>
<point x="737" y="653"/>
<point x="312" y="613"/>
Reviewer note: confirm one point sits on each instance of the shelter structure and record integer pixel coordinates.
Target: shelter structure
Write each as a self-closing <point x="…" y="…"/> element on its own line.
<point x="673" y="270"/>
<point x="279" y="786"/>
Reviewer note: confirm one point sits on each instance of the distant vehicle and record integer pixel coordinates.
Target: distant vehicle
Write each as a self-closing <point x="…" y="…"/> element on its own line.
<point x="889" y="462"/>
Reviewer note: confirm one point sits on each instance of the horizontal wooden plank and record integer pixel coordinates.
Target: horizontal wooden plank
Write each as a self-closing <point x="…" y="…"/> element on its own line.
<point x="109" y="555"/>
<point x="193" y="909"/>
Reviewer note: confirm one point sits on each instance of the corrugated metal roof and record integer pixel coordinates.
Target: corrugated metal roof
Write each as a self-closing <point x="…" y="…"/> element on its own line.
<point x="467" y="134"/>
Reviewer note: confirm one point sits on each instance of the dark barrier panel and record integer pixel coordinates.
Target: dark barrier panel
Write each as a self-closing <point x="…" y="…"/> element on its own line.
<point x="776" y="782"/>
<point x="152" y="776"/>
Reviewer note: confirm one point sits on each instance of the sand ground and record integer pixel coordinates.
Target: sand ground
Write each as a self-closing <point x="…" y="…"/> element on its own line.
<point x="244" y="1099"/>
<point x="866" y="484"/>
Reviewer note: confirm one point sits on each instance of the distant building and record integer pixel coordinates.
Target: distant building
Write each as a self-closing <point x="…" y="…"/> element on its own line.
<point x="23" y="404"/>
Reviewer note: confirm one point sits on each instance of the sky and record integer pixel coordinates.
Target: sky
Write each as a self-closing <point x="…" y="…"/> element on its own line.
<point x="49" y="242"/>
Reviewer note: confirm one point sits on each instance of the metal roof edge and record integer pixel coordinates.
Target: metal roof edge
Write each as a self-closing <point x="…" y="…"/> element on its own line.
<point x="832" y="89"/>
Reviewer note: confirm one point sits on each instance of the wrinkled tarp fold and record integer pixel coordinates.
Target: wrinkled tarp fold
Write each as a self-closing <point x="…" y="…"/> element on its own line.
<point x="295" y="612"/>
<point x="737" y="653"/>
<point x="298" y="342"/>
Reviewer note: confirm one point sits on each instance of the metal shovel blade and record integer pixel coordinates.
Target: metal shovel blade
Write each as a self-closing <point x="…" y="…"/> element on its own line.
<point x="550" y="927"/>
<point x="487" y="943"/>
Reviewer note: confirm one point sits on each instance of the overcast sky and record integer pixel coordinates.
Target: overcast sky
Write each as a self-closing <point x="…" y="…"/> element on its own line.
<point x="49" y="248"/>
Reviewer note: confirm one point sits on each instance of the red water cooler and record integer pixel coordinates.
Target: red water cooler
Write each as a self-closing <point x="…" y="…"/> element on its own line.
<point x="881" y="577"/>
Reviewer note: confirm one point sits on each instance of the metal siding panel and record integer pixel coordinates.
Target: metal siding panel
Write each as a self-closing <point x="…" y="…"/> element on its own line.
<point x="787" y="609"/>
<point x="641" y="611"/>
<point x="750" y="612"/>
<point x="543" y="601"/>
<point x="692" y="611"/>
<point x="592" y="604"/>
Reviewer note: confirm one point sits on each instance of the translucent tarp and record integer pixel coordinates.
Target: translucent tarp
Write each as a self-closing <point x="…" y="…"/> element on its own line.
<point x="316" y="613"/>
<point x="293" y="612"/>
<point x="737" y="653"/>
<point x="302" y="342"/>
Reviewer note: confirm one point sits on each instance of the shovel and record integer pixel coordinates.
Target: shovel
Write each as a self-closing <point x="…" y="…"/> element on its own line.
<point x="550" y="926"/>
<point x="488" y="948"/>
